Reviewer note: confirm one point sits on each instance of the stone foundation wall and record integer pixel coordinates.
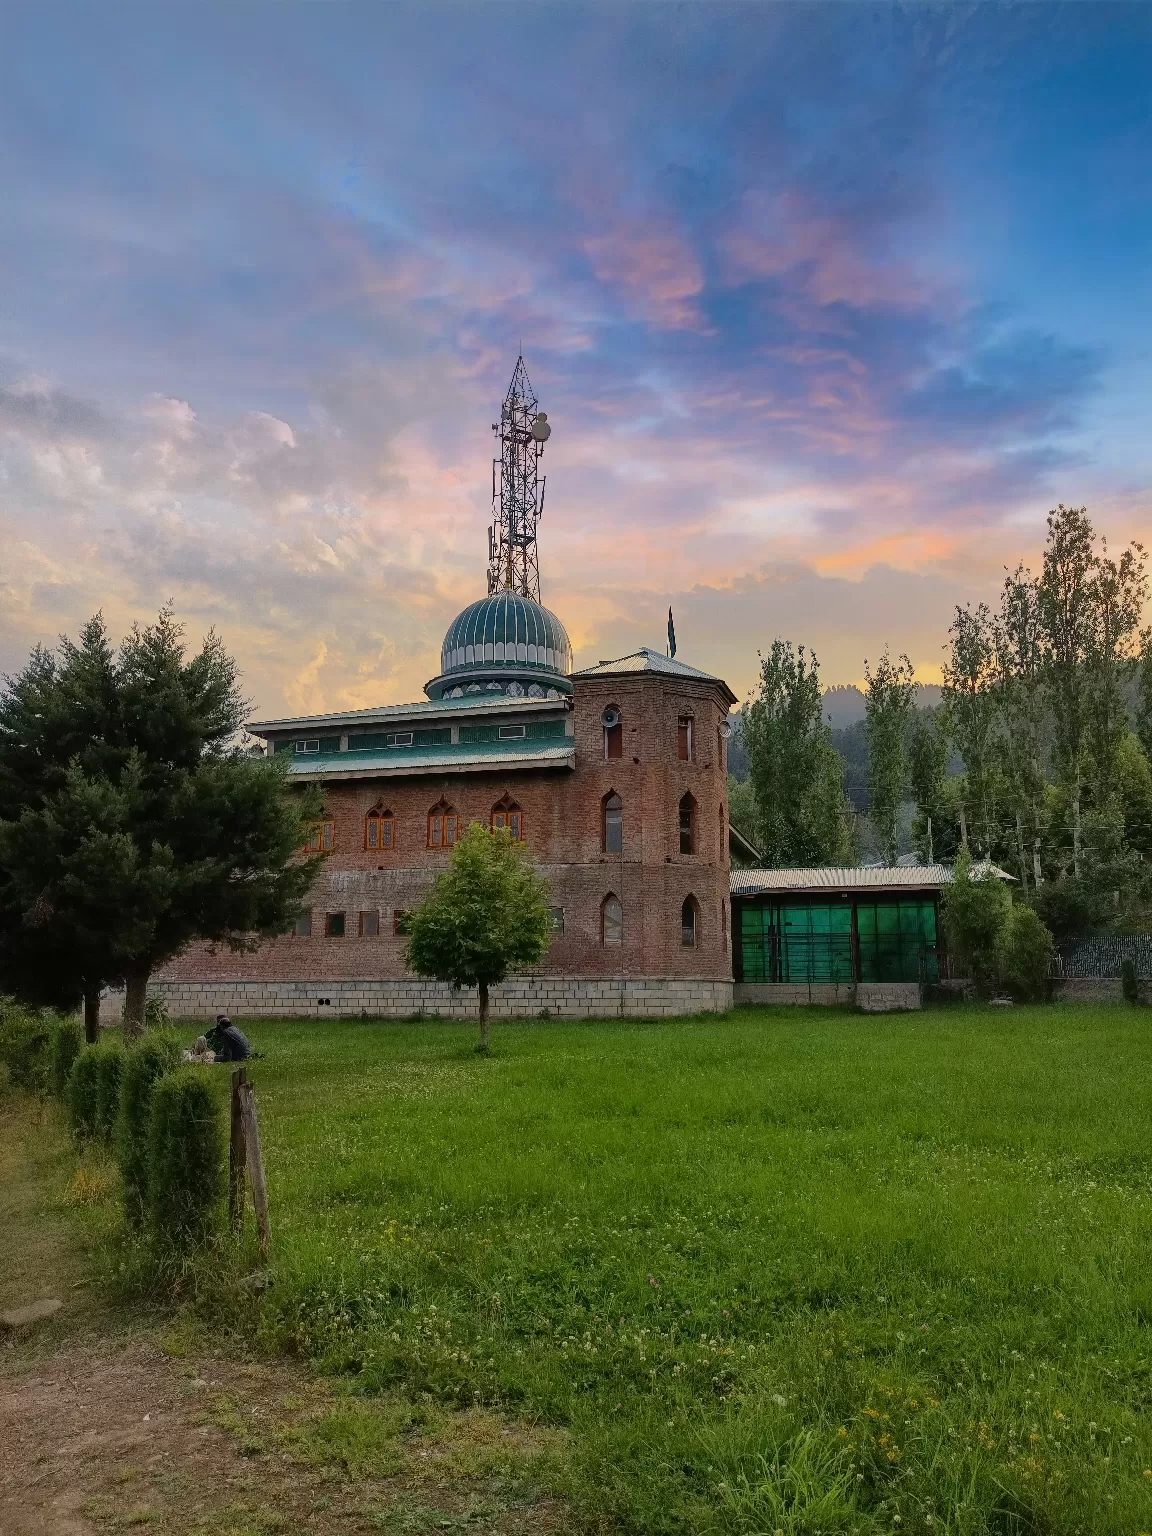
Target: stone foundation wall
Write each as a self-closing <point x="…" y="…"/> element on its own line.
<point x="768" y="994"/>
<point x="1089" y="989"/>
<point x="888" y="996"/>
<point x="520" y="997"/>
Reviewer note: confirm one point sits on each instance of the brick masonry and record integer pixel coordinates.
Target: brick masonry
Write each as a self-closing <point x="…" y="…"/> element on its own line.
<point x="562" y="811"/>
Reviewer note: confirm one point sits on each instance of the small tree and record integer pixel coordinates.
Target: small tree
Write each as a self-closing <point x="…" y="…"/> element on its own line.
<point x="974" y="914"/>
<point x="1024" y="954"/>
<point x="486" y="915"/>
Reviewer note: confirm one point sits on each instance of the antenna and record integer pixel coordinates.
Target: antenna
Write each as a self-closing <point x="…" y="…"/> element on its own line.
<point x="518" y="498"/>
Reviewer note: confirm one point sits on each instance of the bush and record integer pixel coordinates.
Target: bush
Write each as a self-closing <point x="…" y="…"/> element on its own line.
<point x="83" y="1090"/>
<point x="1025" y="953"/>
<point x="65" y="1044"/>
<point x="185" y="1157"/>
<point x="974" y="914"/>
<point x="24" y="1038"/>
<point x="110" y="1065"/>
<point x="156" y="1013"/>
<point x="1130" y="982"/>
<point x="155" y="1055"/>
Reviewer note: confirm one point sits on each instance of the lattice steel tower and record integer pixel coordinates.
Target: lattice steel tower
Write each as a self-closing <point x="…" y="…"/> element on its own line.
<point x="518" y="498"/>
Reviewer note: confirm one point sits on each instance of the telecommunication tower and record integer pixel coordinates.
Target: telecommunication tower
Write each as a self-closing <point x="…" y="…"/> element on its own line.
<point x="517" y="490"/>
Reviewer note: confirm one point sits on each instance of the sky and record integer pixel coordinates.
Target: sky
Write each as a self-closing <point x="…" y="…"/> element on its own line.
<point x="827" y="305"/>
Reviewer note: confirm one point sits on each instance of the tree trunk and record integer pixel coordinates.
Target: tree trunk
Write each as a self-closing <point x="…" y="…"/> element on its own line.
<point x="135" y="996"/>
<point x="1020" y="851"/>
<point x="482" y="1046"/>
<point x="963" y="827"/>
<point x="91" y="1015"/>
<point x="931" y="860"/>
<point x="1037" y="875"/>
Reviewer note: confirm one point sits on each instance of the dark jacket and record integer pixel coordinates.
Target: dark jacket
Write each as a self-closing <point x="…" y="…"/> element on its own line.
<point x="230" y="1044"/>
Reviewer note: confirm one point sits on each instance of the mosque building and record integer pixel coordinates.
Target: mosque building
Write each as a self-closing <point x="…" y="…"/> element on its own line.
<point x="613" y="778"/>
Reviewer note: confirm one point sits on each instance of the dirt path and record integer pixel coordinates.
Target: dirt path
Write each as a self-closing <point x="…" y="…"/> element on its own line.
<point x="113" y="1423"/>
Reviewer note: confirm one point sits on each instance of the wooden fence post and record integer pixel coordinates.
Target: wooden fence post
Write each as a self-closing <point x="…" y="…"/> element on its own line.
<point x="255" y="1164"/>
<point x="237" y="1151"/>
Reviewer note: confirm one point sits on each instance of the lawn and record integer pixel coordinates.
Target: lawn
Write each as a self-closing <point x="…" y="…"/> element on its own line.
<point x="783" y="1271"/>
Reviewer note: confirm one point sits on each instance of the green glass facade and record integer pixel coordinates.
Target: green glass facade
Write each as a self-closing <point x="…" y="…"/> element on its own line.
<point x="837" y="939"/>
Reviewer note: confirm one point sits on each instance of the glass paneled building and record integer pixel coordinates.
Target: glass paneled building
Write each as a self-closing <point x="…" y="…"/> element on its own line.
<point x="833" y="934"/>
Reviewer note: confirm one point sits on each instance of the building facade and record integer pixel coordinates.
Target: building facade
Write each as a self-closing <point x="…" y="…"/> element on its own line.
<point x="613" y="779"/>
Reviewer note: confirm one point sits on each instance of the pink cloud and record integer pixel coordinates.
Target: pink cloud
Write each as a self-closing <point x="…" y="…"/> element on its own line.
<point x="655" y="269"/>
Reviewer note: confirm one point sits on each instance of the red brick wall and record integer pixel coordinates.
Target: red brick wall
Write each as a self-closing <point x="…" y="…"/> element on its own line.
<point x="562" y="834"/>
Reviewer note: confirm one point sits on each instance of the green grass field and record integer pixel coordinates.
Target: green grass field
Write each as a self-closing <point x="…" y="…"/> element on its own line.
<point x="785" y="1271"/>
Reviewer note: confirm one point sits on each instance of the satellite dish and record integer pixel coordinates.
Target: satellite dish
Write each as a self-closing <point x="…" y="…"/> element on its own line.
<point x="610" y="717"/>
<point x="541" y="431"/>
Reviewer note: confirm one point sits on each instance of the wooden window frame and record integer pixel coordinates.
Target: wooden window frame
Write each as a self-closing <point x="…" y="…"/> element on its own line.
<point x="398" y="916"/>
<point x="384" y="824"/>
<point x="333" y="917"/>
<point x="507" y="814"/>
<point x="685" y="733"/>
<point x="443" y="826"/>
<point x="363" y="915"/>
<point x="302" y="927"/>
<point x="322" y="838"/>
<point x="614" y="741"/>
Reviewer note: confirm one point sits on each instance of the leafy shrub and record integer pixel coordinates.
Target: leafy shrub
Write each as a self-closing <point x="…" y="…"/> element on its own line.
<point x="110" y="1065"/>
<point x="185" y="1157"/>
<point x="83" y="1090"/>
<point x="1024" y="955"/>
<point x="1130" y="982"/>
<point x="156" y="1013"/>
<point x="24" y="1037"/>
<point x="65" y="1044"/>
<point x="157" y="1053"/>
<point x="974" y="914"/>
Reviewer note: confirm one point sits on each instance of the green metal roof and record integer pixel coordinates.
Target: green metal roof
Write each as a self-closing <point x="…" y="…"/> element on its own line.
<point x="466" y="757"/>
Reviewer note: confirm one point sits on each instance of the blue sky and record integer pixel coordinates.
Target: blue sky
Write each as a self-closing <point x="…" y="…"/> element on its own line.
<point x="827" y="305"/>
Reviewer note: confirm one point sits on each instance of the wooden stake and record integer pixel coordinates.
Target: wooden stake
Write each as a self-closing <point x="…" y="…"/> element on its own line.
<point x="237" y="1152"/>
<point x="255" y="1164"/>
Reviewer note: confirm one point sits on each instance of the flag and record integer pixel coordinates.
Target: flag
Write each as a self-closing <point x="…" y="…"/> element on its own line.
<point x="671" y="635"/>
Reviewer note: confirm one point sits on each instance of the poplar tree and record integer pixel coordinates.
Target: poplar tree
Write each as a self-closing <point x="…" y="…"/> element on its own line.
<point x="797" y="776"/>
<point x="1019" y="647"/>
<point x="888" y="709"/>
<point x="934" y="830"/>
<point x="971" y="707"/>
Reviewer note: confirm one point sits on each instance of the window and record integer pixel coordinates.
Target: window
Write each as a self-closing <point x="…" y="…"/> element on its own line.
<point x="320" y="840"/>
<point x="687" y="825"/>
<point x="334" y="925"/>
<point x="684" y="738"/>
<point x="688" y="923"/>
<point x="614" y="740"/>
<point x="308" y="746"/>
<point x="369" y="925"/>
<point x="302" y="928"/>
<point x="508" y="814"/>
<point x="611" y="920"/>
<point x="556" y="919"/>
<point x="379" y="828"/>
<point x="613" y="836"/>
<point x="513" y="732"/>
<point x="399" y="921"/>
<point x="443" y="824"/>
<point x="400" y="739"/>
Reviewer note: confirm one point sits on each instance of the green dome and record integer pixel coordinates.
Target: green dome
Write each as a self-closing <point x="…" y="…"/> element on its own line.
<point x="504" y="639"/>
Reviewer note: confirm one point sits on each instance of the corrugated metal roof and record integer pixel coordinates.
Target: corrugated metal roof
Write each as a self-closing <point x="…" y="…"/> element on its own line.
<point x="470" y="757"/>
<point x="858" y="877"/>
<point x="648" y="660"/>
<point x="436" y="709"/>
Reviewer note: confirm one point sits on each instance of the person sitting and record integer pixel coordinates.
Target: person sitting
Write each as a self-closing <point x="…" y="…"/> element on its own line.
<point x="201" y="1053"/>
<point x="229" y="1043"/>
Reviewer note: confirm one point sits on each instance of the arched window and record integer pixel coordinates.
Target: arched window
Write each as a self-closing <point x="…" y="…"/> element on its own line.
<point x="613" y="819"/>
<point x="379" y="828"/>
<point x="689" y="915"/>
<point x="611" y="920"/>
<point x="687" y="825"/>
<point x="613" y="736"/>
<point x="443" y="824"/>
<point x="684" y="738"/>
<point x="506" y="813"/>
